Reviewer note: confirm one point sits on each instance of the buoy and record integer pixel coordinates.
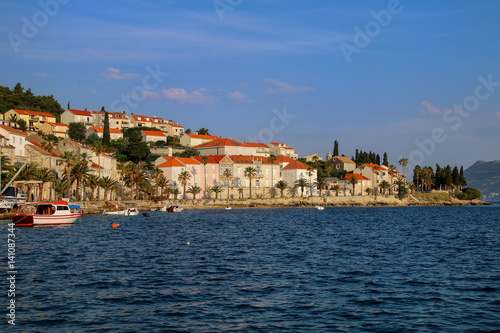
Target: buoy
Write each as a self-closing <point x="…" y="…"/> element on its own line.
<point x="188" y="243"/>
<point x="115" y="225"/>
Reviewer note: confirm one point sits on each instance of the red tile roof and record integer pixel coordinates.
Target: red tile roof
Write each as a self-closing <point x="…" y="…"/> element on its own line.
<point x="296" y="165"/>
<point x="80" y="112"/>
<point x="221" y="143"/>
<point x="213" y="159"/>
<point x="371" y="165"/>
<point x="170" y="163"/>
<point x="38" y="113"/>
<point x="13" y="130"/>
<point x="257" y="144"/>
<point x="354" y="175"/>
<point x="153" y="133"/>
<point x="111" y="130"/>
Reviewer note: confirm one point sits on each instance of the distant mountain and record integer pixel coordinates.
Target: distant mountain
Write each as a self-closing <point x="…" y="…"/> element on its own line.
<point x="485" y="176"/>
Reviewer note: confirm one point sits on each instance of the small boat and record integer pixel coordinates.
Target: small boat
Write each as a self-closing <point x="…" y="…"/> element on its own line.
<point x="320" y="208"/>
<point x="126" y="212"/>
<point x="174" y="209"/>
<point x="44" y="213"/>
<point x="228" y="208"/>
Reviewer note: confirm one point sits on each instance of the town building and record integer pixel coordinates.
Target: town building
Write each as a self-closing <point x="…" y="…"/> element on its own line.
<point x="191" y="140"/>
<point x="114" y="133"/>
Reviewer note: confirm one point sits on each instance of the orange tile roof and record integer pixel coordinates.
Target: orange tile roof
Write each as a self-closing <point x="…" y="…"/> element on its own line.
<point x="296" y="165"/>
<point x="371" y="165"/>
<point x="13" y="130"/>
<point x="354" y="175"/>
<point x="95" y="165"/>
<point x="26" y="112"/>
<point x="284" y="159"/>
<point x="80" y="112"/>
<point x="221" y="143"/>
<point x="153" y="133"/>
<point x="170" y="163"/>
<point x="257" y="144"/>
<point x="187" y="160"/>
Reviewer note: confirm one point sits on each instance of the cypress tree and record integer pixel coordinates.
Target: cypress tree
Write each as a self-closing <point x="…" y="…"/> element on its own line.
<point x="106" y="136"/>
<point x="336" y="148"/>
<point x="386" y="161"/>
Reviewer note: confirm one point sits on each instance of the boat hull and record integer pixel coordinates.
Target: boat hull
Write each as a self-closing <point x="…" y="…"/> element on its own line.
<point x="25" y="220"/>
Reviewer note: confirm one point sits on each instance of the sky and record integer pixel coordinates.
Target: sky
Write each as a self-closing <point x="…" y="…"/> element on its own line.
<point x="415" y="79"/>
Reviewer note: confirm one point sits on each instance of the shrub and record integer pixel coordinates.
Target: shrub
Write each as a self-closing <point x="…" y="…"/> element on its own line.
<point x="402" y="192"/>
<point x="469" y="194"/>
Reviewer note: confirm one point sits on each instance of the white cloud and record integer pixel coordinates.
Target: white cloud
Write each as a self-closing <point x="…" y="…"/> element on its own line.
<point x="236" y="96"/>
<point x="115" y="74"/>
<point x="283" y="87"/>
<point x="430" y="109"/>
<point x="184" y="97"/>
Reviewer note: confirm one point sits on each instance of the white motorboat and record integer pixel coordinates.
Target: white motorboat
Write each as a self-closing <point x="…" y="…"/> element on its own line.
<point x="126" y="212"/>
<point x="320" y="208"/>
<point x="44" y="213"/>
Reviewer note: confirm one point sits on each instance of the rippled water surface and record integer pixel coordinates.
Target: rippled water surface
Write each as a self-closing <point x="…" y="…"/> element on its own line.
<point x="421" y="269"/>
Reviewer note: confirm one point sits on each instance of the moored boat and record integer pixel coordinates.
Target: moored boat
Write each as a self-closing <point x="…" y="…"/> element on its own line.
<point x="126" y="212"/>
<point x="44" y="213"/>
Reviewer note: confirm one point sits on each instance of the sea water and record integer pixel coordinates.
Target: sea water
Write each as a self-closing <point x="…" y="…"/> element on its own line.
<point x="391" y="269"/>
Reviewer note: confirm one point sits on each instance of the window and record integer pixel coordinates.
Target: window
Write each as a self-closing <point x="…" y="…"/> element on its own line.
<point x="256" y="183"/>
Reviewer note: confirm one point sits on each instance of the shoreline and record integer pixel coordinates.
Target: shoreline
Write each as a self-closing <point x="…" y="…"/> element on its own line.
<point x="97" y="207"/>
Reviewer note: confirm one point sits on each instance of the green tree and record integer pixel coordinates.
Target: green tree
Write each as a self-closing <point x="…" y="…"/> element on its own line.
<point x="227" y="175"/>
<point x="69" y="160"/>
<point x="217" y="190"/>
<point x="272" y="158"/>
<point x="106" y="183"/>
<point x="336" y="188"/>
<point x="203" y="131"/>
<point x="403" y="162"/>
<point x="302" y="183"/>
<point x="281" y="185"/>
<point x="386" y="161"/>
<point x="250" y="173"/>
<point x="353" y="181"/>
<point x="384" y="185"/>
<point x="336" y="148"/>
<point x="22" y="125"/>
<point x="183" y="178"/>
<point x="194" y="190"/>
<point x="106" y="135"/>
<point x="76" y="131"/>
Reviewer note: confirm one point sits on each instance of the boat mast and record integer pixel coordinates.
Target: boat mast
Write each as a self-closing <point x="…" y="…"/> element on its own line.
<point x="15" y="176"/>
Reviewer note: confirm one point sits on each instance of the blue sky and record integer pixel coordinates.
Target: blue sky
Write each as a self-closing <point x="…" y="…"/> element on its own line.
<point x="385" y="76"/>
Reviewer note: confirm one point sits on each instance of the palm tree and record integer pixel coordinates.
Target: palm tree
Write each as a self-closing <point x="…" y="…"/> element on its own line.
<point x="69" y="159"/>
<point x="217" y="190"/>
<point x="60" y="187"/>
<point x="194" y="190"/>
<point x="301" y="183"/>
<point x="310" y="172"/>
<point x="320" y="183"/>
<point x="183" y="178"/>
<point x="27" y="174"/>
<point x="403" y="162"/>
<point x="162" y="183"/>
<point x="368" y="190"/>
<point x="392" y="171"/>
<point x="79" y="173"/>
<point x="417" y="172"/>
<point x="227" y="175"/>
<point x="384" y="185"/>
<point x="336" y="188"/>
<point x="175" y="192"/>
<point x="107" y="184"/>
<point x="91" y="181"/>
<point x="399" y="182"/>
<point x="272" y="158"/>
<point x="250" y="172"/>
<point x="155" y="175"/>
<point x="49" y="144"/>
<point x="45" y="175"/>
<point x="98" y="148"/>
<point x="376" y="171"/>
<point x="281" y="185"/>
<point x="204" y="161"/>
<point x="353" y="181"/>
<point x="240" y="192"/>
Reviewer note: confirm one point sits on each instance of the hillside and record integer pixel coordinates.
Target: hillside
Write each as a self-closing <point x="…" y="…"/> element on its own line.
<point x="485" y="176"/>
